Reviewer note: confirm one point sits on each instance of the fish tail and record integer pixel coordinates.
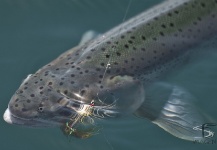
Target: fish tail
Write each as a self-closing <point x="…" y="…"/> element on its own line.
<point x="172" y="109"/>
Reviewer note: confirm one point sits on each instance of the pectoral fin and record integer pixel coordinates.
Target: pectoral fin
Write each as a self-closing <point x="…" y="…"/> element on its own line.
<point x="127" y="94"/>
<point x="171" y="108"/>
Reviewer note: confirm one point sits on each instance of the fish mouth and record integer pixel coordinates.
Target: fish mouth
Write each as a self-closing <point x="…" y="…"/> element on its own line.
<point x="35" y="123"/>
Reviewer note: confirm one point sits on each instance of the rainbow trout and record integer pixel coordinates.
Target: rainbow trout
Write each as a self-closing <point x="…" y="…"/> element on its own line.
<point x="108" y="76"/>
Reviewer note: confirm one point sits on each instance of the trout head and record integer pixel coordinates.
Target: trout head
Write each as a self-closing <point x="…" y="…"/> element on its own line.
<point x="36" y="104"/>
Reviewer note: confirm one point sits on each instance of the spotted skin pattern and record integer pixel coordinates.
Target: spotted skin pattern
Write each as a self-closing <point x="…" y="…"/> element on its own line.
<point x="117" y="64"/>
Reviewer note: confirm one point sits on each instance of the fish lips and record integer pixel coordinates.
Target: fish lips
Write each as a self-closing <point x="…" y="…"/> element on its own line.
<point x="12" y="119"/>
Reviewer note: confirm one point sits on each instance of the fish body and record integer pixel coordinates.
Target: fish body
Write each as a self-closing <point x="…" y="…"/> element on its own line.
<point x="115" y="68"/>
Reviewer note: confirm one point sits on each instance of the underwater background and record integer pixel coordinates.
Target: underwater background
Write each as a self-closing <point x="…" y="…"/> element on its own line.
<point x="34" y="32"/>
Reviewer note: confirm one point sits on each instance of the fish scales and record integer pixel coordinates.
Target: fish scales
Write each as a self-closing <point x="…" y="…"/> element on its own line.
<point x="115" y="66"/>
<point x="153" y="38"/>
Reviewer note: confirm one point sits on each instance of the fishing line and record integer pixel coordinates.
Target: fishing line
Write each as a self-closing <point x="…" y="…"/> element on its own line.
<point x="107" y="141"/>
<point x="108" y="63"/>
<point x="124" y="18"/>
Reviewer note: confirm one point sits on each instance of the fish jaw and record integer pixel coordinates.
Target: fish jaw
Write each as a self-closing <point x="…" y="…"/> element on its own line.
<point x="12" y="119"/>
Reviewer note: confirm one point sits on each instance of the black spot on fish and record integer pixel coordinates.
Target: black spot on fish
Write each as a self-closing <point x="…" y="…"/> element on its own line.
<point x="130" y="42"/>
<point x="143" y="49"/>
<point x="50" y="83"/>
<point x="143" y="38"/>
<point x="155" y="18"/>
<point x="72" y="82"/>
<point x="107" y="56"/>
<point x="108" y="42"/>
<point x="102" y="64"/>
<point x="122" y="36"/>
<point x="132" y="37"/>
<point x="16" y="105"/>
<point x="25" y="88"/>
<point x="88" y="57"/>
<point x="65" y="92"/>
<point x="41" y="93"/>
<point x="28" y="101"/>
<point x="61" y="83"/>
<point x="73" y="66"/>
<point x="86" y="71"/>
<point x="163" y="26"/>
<point x="198" y="18"/>
<point x="126" y="46"/>
<point x="171" y="24"/>
<point x="16" y="100"/>
<point x="103" y="49"/>
<point x="72" y="75"/>
<point x="82" y="92"/>
<point x="161" y="33"/>
<point x="118" y="54"/>
<point x="203" y="5"/>
<point x="176" y="11"/>
<point x="169" y="14"/>
<point x="32" y="95"/>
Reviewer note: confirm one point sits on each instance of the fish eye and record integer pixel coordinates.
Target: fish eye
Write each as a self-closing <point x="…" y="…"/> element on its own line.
<point x="40" y="109"/>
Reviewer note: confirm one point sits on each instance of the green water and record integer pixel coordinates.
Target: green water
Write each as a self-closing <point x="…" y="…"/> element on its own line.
<point x="34" y="32"/>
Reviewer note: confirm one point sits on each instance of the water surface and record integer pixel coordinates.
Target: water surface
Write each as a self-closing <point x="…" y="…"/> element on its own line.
<point x="32" y="33"/>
